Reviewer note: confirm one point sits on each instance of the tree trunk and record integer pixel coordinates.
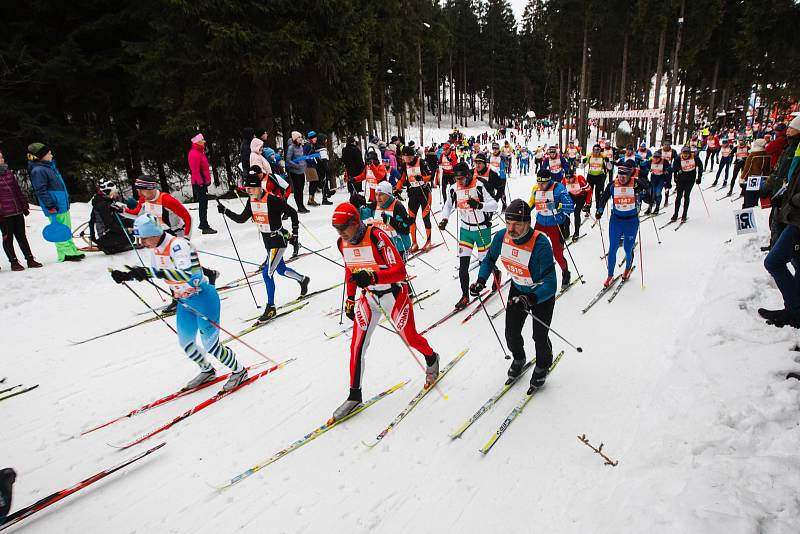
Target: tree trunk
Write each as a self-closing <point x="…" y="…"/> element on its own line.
<point x="712" y="107"/>
<point x="384" y="126"/>
<point x="581" y="117"/>
<point x="624" y="73"/>
<point x="421" y="97"/>
<point x="438" y="97"/>
<point x="370" y="115"/>
<point x="674" y="78"/>
<point x="659" y="74"/>
<point x="452" y="96"/>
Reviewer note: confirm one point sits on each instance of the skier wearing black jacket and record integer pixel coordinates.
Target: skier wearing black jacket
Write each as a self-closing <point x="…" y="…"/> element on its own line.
<point x="265" y="210"/>
<point x="104" y="223"/>
<point x="688" y="170"/>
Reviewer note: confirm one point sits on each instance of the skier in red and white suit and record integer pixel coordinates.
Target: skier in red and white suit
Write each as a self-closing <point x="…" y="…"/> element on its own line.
<point x="373" y="264"/>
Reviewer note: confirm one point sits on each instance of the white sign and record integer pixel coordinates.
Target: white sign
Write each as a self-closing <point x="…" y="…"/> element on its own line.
<point x="754" y="183"/>
<point x="745" y="221"/>
<point x="653" y="113"/>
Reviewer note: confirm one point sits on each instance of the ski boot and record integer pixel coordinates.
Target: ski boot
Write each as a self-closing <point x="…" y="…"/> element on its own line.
<point x="608" y="281"/>
<point x="208" y="230"/>
<point x="7" y="478"/>
<point x="715" y="184"/>
<point x="353" y="401"/>
<point x="431" y="369"/>
<point x="234" y="381"/>
<point x="33" y="264"/>
<point x="626" y="274"/>
<point x="427" y="245"/>
<point x="724" y="184"/>
<point x="462" y="303"/>
<point x="683" y="219"/>
<point x="538" y="378"/>
<point x="268" y="314"/>
<point x="199" y="380"/>
<point x="771" y="314"/>
<point x="673" y="218"/>
<point x="304" y="285"/>
<point x="171" y="308"/>
<point x="655" y="211"/>
<point x="515" y="370"/>
<point x="785" y="318"/>
<point x="566" y="276"/>
<point x="648" y="211"/>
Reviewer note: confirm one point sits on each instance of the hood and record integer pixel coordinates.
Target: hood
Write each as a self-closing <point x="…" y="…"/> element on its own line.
<point x="256" y="145"/>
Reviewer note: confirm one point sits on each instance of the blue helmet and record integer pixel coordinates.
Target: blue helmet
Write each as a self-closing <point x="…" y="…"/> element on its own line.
<point x="147" y="226"/>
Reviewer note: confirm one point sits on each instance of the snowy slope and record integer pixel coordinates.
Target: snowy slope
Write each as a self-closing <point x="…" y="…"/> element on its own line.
<point x="679" y="380"/>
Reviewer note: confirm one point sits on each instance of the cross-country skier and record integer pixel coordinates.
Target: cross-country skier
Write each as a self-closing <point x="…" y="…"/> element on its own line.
<point x="447" y="161"/>
<point x="553" y="205"/>
<point x="374" y="173"/>
<point x="416" y="177"/>
<point x="670" y="156"/>
<point x="555" y="163"/>
<point x="598" y="165"/>
<point x="475" y="206"/>
<point x="659" y="172"/>
<point x="174" y="260"/>
<point x="265" y="209"/>
<point x="624" y="221"/>
<point x="726" y="156"/>
<point x="498" y="165"/>
<point x="372" y="263"/>
<point x="688" y="171"/>
<point x="389" y="214"/>
<point x="527" y="256"/>
<point x="581" y="193"/>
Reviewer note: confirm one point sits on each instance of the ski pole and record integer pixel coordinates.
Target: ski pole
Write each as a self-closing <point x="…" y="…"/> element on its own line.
<point x="426" y="263"/>
<point x="440" y="230"/>
<point x="228" y="257"/>
<point x="341" y="308"/>
<point x="310" y="233"/>
<point x="403" y="339"/>
<point x="703" y="197"/>
<point x="203" y="316"/>
<point x="641" y="256"/>
<point x="133" y="246"/>
<point x="530" y="312"/>
<point x="655" y="227"/>
<point x="239" y="258"/>
<point x="603" y="241"/>
<point x="161" y="317"/>
<point x="566" y="245"/>
<point x="489" y="318"/>
<point x="322" y="256"/>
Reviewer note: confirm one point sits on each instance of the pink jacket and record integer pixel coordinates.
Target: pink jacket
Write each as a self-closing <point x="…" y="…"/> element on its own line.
<point x="198" y="165"/>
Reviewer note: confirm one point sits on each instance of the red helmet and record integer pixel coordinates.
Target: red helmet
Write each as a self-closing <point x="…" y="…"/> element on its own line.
<point x="344" y="215"/>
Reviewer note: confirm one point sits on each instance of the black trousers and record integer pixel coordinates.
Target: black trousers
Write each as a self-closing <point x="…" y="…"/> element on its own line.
<point x="683" y="190"/>
<point x="598" y="181"/>
<point x="515" y="320"/>
<point x="13" y="227"/>
<point x="579" y="201"/>
<point x="298" y="184"/>
<point x="200" y="193"/>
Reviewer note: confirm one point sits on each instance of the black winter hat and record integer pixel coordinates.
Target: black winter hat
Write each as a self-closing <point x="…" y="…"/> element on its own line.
<point x="461" y="169"/>
<point x="518" y="211"/>
<point x="480" y="157"/>
<point x="252" y="179"/>
<point x="409" y="151"/>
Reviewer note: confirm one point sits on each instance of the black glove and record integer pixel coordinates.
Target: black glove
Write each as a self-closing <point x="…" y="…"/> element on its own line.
<point x="386" y="218"/>
<point x="221" y="208"/>
<point x="350" y="308"/>
<point x="526" y="302"/>
<point x="121" y="276"/>
<point x="293" y="240"/>
<point x="697" y="181"/>
<point x="597" y="215"/>
<point x="476" y="288"/>
<point x="474" y="203"/>
<point x="364" y="278"/>
<point x="442" y="224"/>
<point x="586" y="209"/>
<point x="138" y="273"/>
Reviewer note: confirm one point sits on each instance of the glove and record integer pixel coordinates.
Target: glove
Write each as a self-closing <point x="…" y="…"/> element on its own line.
<point x="551" y="206"/>
<point x="117" y="206"/>
<point x="51" y="210"/>
<point x="598" y="214"/>
<point x="364" y="278"/>
<point x="442" y="224"/>
<point x="586" y="209"/>
<point x="476" y="288"/>
<point x="221" y="208"/>
<point x="121" y="276"/>
<point x="294" y="241"/>
<point x="697" y="181"/>
<point x="350" y="308"/>
<point x="525" y="301"/>
<point x="474" y="203"/>
<point x="138" y="273"/>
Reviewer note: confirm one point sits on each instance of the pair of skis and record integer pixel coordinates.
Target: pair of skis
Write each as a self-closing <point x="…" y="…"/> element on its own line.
<point x="13" y="391"/>
<point x="611" y="287"/>
<point x="325" y="427"/>
<point x="202" y="406"/>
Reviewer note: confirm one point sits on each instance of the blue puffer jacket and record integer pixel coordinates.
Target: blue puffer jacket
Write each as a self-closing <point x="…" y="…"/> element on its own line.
<point x="49" y="186"/>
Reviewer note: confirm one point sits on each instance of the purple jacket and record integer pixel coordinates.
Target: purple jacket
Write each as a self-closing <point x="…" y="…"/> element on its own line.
<point x="12" y="201"/>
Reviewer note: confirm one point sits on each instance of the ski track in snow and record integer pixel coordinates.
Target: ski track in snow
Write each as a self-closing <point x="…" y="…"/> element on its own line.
<point x="680" y="380"/>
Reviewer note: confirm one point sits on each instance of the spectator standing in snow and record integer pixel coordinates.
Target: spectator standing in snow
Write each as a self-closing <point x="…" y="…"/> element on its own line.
<point x="13" y="210"/>
<point x="53" y="196"/>
<point x="353" y="162"/>
<point x="297" y="169"/>
<point x="201" y="179"/>
<point x="105" y="228"/>
<point x="756" y="164"/>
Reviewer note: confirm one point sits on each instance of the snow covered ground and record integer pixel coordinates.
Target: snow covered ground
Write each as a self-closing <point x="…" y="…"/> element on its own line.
<point x="679" y="379"/>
